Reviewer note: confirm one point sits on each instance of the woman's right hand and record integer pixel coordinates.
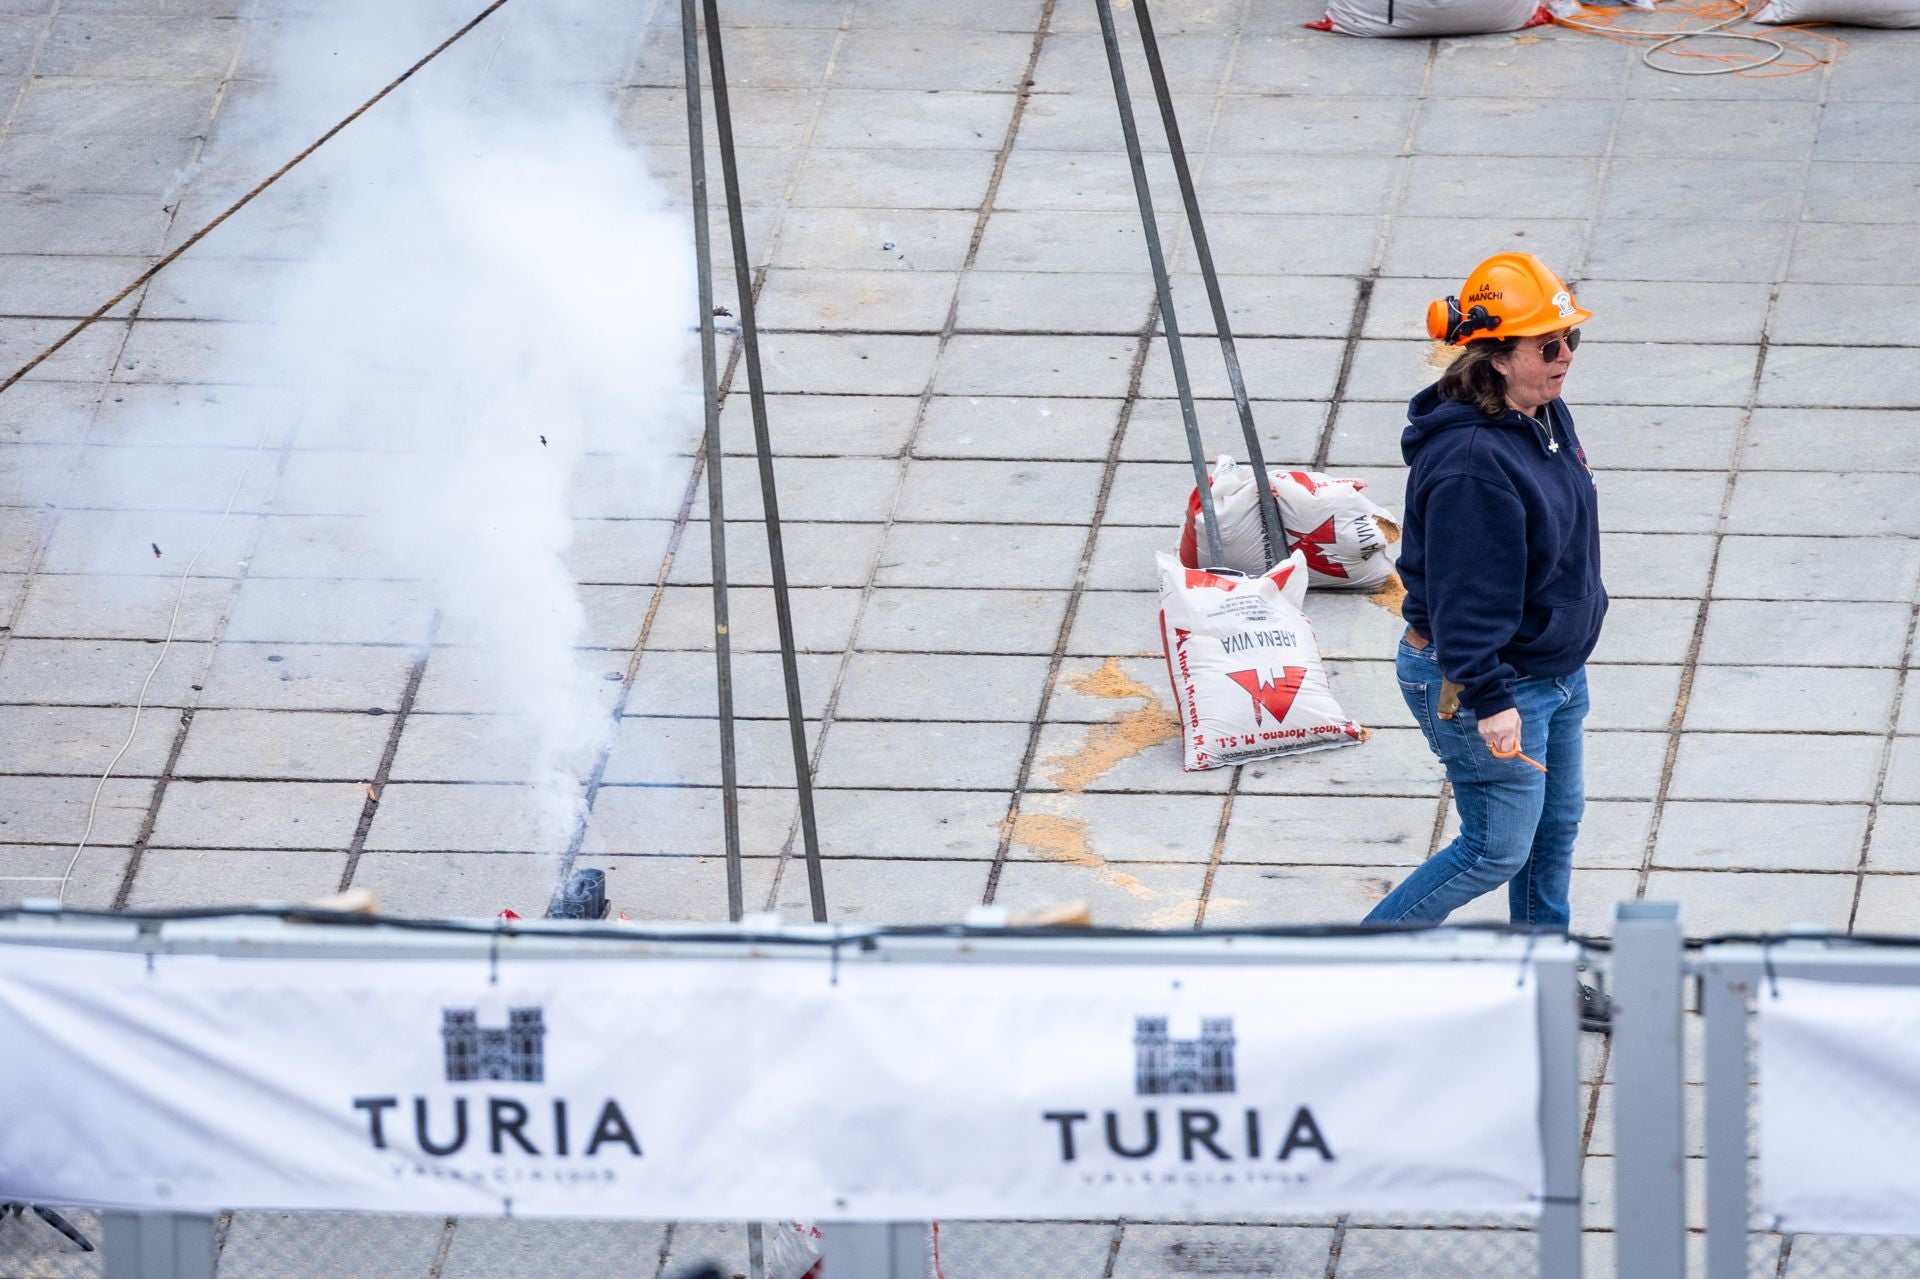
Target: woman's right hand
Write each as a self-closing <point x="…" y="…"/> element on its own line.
<point x="1501" y="731"/>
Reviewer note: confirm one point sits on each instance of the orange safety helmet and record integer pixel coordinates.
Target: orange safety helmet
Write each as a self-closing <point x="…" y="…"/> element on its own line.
<point x="1510" y="295"/>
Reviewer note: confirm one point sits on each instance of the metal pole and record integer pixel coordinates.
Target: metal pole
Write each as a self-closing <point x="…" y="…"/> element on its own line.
<point x="1724" y="989"/>
<point x="716" y="506"/>
<point x="1560" y="1114"/>
<point x="874" y="1250"/>
<point x="1162" y="285"/>
<point x="1649" y="1160"/>
<point x="1269" y="506"/>
<point x="156" y="1245"/>
<point x="763" y="448"/>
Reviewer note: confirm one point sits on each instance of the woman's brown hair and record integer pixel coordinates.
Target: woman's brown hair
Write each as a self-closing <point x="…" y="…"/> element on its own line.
<point x="1472" y="379"/>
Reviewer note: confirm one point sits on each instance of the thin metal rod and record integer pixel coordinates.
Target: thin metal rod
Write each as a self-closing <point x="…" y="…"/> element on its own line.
<point x="1723" y="1002"/>
<point x="1561" y="1113"/>
<point x="1269" y="506"/>
<point x="763" y="450"/>
<point x="1161" y="283"/>
<point x="716" y="505"/>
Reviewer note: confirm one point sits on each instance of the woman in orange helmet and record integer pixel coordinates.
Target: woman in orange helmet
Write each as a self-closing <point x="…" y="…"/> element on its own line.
<point x="1501" y="560"/>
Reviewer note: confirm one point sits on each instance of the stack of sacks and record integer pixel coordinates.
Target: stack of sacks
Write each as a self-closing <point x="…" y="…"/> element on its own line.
<point x="1329" y="521"/>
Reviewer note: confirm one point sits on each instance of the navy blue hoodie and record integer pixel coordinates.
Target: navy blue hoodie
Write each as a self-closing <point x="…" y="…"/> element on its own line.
<point x="1501" y="546"/>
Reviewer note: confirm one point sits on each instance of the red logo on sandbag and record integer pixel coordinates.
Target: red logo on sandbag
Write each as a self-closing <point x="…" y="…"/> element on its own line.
<point x="1304" y="480"/>
<point x="1309" y="545"/>
<point x="1275" y="696"/>
<point x="1197" y="577"/>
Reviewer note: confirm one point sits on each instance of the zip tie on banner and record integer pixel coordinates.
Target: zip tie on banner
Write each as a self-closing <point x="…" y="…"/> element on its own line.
<point x="1766" y="966"/>
<point x="1526" y="960"/>
<point x="833" y="962"/>
<point x="493" y="957"/>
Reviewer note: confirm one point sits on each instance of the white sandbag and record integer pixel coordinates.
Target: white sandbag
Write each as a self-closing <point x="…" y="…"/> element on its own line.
<point x="1854" y="13"/>
<point x="791" y="1250"/>
<point x="1421" y="19"/>
<point x="1343" y="535"/>
<point x="1245" y="666"/>
<point x="1243" y="531"/>
<point x="1333" y="523"/>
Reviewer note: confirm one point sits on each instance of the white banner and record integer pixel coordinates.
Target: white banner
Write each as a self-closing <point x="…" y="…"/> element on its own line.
<point x="1840" y="1107"/>
<point x="736" y="1089"/>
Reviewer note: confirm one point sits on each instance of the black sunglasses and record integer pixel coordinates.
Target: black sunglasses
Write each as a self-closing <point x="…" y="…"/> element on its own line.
<point x="1550" y="349"/>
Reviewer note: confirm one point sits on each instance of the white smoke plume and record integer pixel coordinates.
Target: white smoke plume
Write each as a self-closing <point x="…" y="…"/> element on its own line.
<point x="494" y="296"/>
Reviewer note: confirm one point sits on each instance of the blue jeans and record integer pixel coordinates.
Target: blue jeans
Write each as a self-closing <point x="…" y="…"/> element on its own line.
<point x="1517" y="825"/>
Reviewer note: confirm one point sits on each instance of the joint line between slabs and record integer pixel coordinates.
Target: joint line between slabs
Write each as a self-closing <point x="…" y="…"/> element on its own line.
<point x="1601" y="172"/>
<point x="377" y="788"/>
<point x="1886" y="762"/>
<point x="1219" y="846"/>
<point x="144" y="836"/>
<point x="1363" y="300"/>
<point x="1074" y="596"/>
<point x="829" y="711"/>
<point x="1690" y="668"/>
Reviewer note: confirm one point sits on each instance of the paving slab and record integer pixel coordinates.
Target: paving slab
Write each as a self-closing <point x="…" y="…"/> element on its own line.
<point x="260" y="814"/>
<point x="83" y="740"/>
<point x="38" y="810"/>
<point x="1818" y="568"/>
<point x="1780" y="766"/>
<point x="172" y="878"/>
<point x="92" y="880"/>
<point x="1022" y="556"/>
<point x="828" y="554"/>
<point x="1805" y="633"/>
<point x="1762" y="836"/>
<point x="1895" y="844"/>
<point x="962" y="756"/>
<point x="958" y="426"/>
<point x="966" y="621"/>
<point x="686" y="752"/>
<point x="989" y="492"/>
<point x="942" y="686"/>
<point x="1289" y="430"/>
<point x="682" y="684"/>
<point x="1755" y="901"/>
<point x="261" y="743"/>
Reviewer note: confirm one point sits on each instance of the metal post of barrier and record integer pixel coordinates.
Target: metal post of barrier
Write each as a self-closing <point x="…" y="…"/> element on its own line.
<point x="1724" y="989"/>
<point x="1560" y="1115"/>
<point x="875" y="1250"/>
<point x="156" y="1245"/>
<point x="1649" y="1155"/>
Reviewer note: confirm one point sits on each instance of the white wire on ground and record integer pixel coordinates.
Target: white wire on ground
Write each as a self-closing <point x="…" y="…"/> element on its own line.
<point x="140" y="702"/>
<point x="1675" y="37"/>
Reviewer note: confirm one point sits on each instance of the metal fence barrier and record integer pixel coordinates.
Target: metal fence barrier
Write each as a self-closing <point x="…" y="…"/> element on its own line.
<point x="1684" y="1068"/>
<point x="1350" y="1245"/>
<point x="1733" y="977"/>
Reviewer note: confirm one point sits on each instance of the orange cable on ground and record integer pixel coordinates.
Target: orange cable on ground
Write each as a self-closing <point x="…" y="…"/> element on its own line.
<point x="1706" y="19"/>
